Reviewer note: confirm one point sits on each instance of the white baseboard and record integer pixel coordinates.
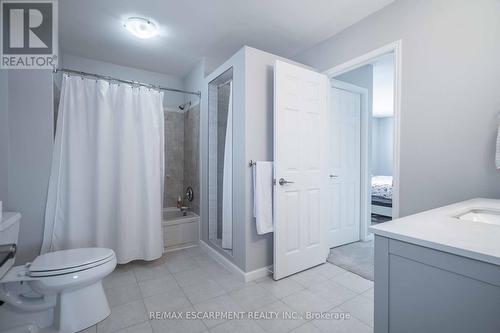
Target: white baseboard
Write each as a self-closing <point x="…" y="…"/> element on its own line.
<point x="179" y="247"/>
<point x="245" y="276"/>
<point x="258" y="273"/>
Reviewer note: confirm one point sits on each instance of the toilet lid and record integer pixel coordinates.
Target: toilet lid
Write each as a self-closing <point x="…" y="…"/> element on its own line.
<point x="67" y="261"/>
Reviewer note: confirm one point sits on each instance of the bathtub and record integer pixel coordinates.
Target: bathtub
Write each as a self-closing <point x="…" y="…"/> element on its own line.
<point x="179" y="231"/>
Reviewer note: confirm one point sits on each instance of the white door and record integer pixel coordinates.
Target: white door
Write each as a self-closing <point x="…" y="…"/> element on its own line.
<point x="300" y="169"/>
<point x="344" y="166"/>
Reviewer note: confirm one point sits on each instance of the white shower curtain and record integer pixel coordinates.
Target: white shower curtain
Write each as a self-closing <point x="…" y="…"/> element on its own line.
<point x="227" y="178"/>
<point x="105" y="187"/>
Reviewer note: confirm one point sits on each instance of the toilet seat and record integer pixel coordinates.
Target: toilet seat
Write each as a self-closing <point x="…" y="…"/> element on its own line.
<point x="69" y="261"/>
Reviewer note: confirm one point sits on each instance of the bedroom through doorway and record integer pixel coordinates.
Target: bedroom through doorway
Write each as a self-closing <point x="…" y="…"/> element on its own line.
<point x="382" y="139"/>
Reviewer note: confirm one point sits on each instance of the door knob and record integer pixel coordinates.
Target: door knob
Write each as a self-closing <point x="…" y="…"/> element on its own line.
<point x="283" y="182"/>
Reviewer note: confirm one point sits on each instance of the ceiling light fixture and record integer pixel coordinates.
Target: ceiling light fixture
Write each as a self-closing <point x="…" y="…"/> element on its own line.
<point x="141" y="27"/>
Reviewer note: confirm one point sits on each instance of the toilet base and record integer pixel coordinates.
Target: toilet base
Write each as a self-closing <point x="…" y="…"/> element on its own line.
<point x="75" y="311"/>
<point x="81" y="308"/>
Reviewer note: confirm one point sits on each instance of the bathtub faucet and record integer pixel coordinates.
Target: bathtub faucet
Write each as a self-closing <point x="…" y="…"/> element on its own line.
<point x="184" y="210"/>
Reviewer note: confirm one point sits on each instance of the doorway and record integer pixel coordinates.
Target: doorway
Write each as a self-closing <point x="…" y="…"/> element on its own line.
<point x="364" y="143"/>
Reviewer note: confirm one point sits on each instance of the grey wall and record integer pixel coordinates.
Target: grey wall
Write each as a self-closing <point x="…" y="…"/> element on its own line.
<point x="4" y="137"/>
<point x="259" y="146"/>
<point x="450" y="80"/>
<point x="31" y="128"/>
<point x="194" y="81"/>
<point x="382" y="146"/>
<point x="192" y="154"/>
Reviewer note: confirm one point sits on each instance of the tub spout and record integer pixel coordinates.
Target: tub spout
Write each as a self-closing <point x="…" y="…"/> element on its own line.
<point x="184" y="210"/>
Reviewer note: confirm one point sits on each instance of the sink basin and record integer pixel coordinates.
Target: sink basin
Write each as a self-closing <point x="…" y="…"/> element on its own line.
<point x="481" y="215"/>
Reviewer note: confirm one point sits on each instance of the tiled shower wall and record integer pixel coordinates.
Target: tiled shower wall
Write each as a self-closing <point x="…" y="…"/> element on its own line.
<point x="174" y="158"/>
<point x="181" y="156"/>
<point x="192" y="154"/>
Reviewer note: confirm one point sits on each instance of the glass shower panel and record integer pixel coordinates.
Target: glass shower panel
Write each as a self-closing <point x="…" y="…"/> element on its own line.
<point x="220" y="165"/>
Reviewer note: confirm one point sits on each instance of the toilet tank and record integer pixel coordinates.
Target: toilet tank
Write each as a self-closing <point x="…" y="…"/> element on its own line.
<point x="9" y="233"/>
<point x="9" y="228"/>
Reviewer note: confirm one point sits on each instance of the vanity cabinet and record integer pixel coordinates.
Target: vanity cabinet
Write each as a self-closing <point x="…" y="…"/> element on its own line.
<point x="419" y="289"/>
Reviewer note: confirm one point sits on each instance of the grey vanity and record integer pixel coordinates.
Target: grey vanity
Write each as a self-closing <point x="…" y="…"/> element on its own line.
<point x="439" y="271"/>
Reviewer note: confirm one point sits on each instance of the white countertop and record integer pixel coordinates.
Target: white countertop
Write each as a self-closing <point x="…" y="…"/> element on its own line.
<point x="440" y="229"/>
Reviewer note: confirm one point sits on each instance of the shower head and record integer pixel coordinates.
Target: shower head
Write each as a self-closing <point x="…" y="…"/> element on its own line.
<point x="185" y="106"/>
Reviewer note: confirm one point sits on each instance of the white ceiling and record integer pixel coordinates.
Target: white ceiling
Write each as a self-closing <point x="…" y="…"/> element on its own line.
<point x="194" y="29"/>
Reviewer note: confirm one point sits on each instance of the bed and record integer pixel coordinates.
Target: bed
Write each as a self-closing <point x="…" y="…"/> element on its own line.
<point x="382" y="195"/>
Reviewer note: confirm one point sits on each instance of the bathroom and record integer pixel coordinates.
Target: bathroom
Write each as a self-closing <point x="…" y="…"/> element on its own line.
<point x="203" y="177"/>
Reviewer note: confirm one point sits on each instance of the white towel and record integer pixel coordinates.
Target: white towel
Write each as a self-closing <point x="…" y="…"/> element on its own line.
<point x="263" y="196"/>
<point x="497" y="154"/>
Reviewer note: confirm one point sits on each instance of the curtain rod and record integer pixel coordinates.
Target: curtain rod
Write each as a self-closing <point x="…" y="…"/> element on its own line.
<point x="137" y="83"/>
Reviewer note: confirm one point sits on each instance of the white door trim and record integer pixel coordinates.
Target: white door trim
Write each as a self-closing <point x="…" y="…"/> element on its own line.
<point x="365" y="181"/>
<point x="396" y="48"/>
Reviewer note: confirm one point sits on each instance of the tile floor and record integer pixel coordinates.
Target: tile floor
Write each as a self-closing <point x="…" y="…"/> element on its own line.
<point x="190" y="280"/>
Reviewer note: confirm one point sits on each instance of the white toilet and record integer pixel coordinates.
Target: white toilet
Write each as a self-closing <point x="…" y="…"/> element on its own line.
<point x="58" y="292"/>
